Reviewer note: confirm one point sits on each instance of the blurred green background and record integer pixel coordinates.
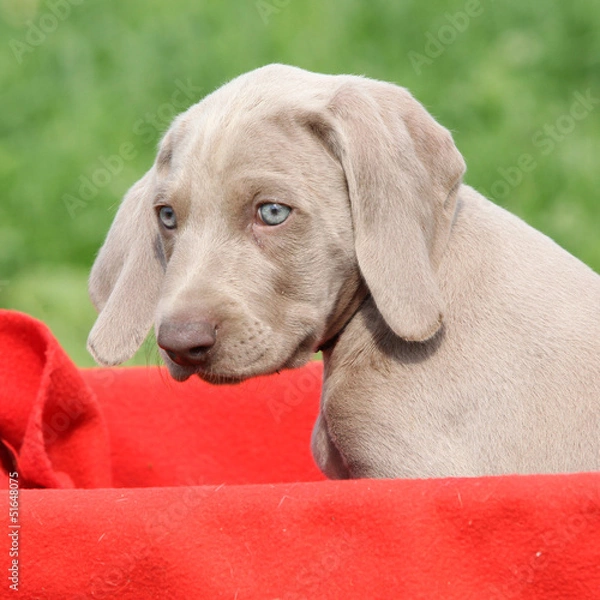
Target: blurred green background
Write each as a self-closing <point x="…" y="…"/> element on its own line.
<point x="88" y="87"/>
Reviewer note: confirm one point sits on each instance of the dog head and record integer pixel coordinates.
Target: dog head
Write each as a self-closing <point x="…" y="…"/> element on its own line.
<point x="271" y="206"/>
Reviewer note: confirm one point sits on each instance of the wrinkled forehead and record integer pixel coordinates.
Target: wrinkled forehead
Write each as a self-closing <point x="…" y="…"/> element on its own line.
<point x="229" y="140"/>
<point x="256" y="113"/>
<point x="238" y="131"/>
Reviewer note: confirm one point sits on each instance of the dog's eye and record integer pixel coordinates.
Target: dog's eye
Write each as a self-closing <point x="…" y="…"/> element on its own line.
<point x="167" y="216"/>
<point x="273" y="213"/>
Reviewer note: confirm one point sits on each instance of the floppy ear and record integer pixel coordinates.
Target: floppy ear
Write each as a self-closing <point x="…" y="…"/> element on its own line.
<point x="403" y="173"/>
<point x="125" y="279"/>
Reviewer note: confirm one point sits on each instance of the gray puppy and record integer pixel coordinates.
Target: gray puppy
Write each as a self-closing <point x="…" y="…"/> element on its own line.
<point x="291" y="211"/>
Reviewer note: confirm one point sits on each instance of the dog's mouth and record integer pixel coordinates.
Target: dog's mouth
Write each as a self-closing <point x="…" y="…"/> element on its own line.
<point x="217" y="374"/>
<point x="219" y="378"/>
<point x="182" y="373"/>
<point x="214" y="375"/>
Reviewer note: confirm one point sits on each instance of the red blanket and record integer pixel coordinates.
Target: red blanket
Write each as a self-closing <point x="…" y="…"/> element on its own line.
<point x="121" y="483"/>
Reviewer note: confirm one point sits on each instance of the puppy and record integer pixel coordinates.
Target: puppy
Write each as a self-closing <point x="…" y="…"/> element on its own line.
<point x="289" y="212"/>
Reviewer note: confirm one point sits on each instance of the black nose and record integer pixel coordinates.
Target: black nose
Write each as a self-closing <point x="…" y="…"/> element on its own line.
<point x="187" y="343"/>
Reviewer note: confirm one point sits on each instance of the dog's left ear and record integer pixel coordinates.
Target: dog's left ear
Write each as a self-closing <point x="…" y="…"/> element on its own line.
<point x="403" y="173"/>
<point x="125" y="280"/>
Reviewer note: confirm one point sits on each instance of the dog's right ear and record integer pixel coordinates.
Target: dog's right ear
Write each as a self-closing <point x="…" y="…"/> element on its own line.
<point x="403" y="174"/>
<point x="125" y="280"/>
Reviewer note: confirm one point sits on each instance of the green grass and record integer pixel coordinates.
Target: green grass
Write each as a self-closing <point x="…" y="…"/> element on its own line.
<point x="104" y="76"/>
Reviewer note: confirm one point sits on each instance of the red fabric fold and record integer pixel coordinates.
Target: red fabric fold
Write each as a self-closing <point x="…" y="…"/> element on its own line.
<point x="50" y="421"/>
<point x="499" y="538"/>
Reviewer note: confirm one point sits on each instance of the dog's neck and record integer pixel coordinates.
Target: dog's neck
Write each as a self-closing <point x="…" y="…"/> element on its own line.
<point x="338" y="325"/>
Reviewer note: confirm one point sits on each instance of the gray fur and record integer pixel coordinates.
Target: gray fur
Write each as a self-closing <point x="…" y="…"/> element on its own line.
<point x="468" y="344"/>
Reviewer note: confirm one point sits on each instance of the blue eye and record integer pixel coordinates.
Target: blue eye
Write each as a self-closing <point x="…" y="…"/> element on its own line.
<point x="167" y="217"/>
<point x="273" y="213"/>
